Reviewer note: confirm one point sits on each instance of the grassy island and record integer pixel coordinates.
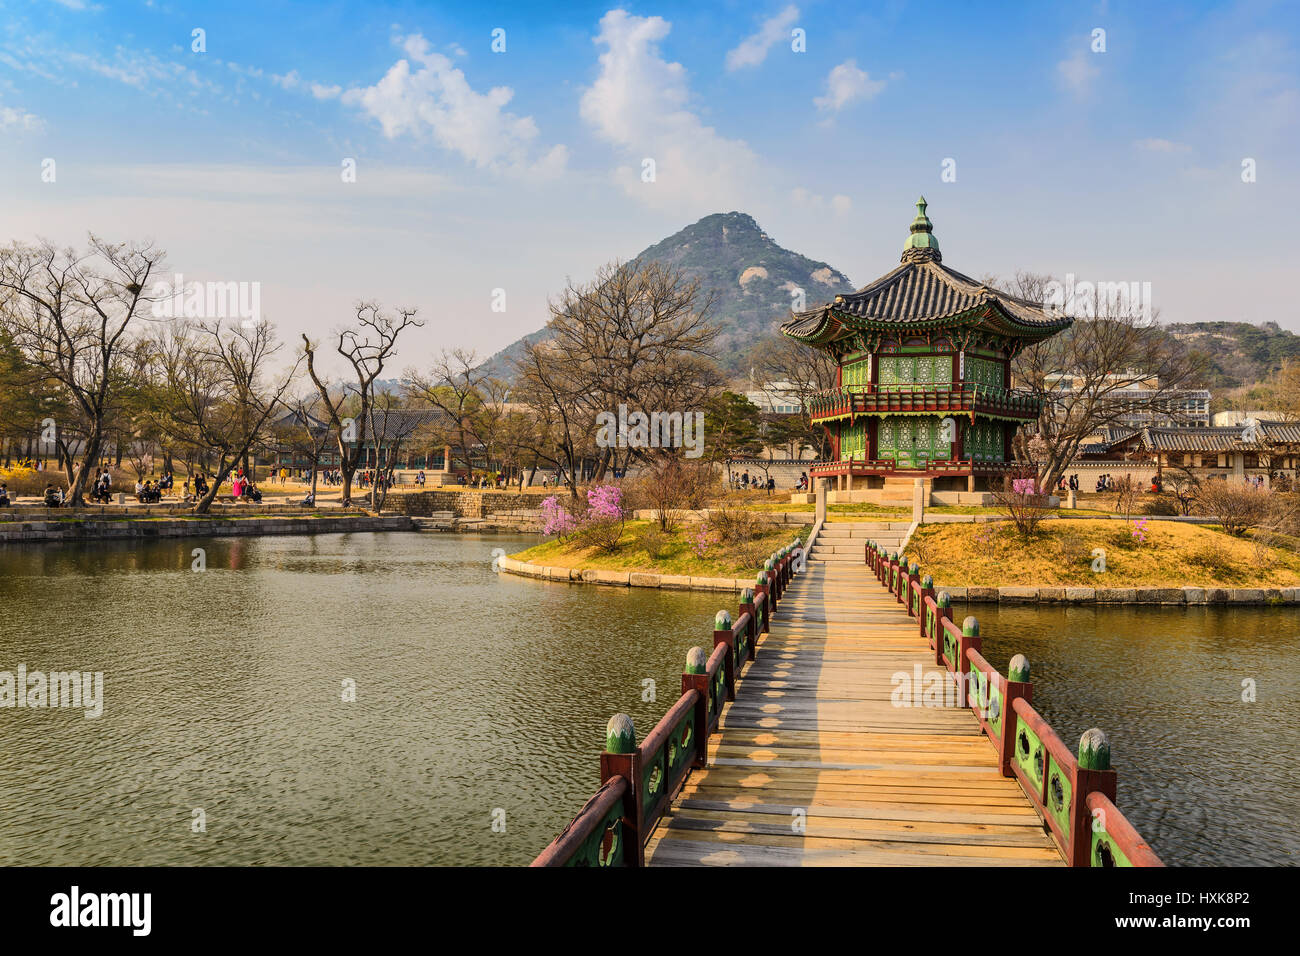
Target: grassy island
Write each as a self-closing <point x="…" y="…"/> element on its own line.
<point x="643" y="546"/>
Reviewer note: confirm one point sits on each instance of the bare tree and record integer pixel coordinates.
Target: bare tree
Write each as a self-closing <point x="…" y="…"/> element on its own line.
<point x="638" y="336"/>
<point x="781" y="367"/>
<point x="1096" y="373"/>
<point x="390" y="428"/>
<point x="458" y="385"/>
<point x="72" y="314"/>
<point x="217" y="391"/>
<point x="366" y="348"/>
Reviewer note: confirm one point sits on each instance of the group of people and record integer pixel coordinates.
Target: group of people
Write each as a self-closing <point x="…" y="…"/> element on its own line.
<point x="1105" y="483"/>
<point x="243" y="489"/>
<point x="744" y="483"/>
<point x="1070" y="483"/>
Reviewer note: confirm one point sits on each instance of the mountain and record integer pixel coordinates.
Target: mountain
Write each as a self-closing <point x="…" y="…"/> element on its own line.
<point x="1240" y="353"/>
<point x="751" y="276"/>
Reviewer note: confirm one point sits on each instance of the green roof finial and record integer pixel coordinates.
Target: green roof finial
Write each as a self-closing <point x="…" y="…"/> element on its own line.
<point x="921" y="244"/>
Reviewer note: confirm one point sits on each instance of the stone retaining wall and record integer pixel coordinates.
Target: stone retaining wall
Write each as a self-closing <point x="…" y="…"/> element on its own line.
<point x="635" y="579"/>
<point x="1064" y="595"/>
<point x="21" y="531"/>
<point x="466" y="502"/>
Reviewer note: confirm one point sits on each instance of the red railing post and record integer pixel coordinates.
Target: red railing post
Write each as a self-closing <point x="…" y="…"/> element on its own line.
<point x="927" y="592"/>
<point x="1093" y="775"/>
<point x="696" y="678"/>
<point x="622" y="758"/>
<point x="970" y="641"/>
<point x="723" y="634"/>
<point x="1017" y="687"/>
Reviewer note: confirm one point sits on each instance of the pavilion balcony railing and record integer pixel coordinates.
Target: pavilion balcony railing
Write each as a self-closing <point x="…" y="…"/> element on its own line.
<point x="884" y="466"/>
<point x="940" y="397"/>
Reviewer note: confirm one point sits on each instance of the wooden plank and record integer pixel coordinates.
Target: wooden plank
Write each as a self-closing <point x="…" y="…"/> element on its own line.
<point x="816" y="765"/>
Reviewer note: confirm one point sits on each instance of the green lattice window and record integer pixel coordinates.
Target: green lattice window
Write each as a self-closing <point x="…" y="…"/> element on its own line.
<point x="983" y="441"/>
<point x="915" y="370"/>
<point x="853" y="440"/>
<point x="857" y="373"/>
<point x="984" y="372"/>
<point x="912" y="440"/>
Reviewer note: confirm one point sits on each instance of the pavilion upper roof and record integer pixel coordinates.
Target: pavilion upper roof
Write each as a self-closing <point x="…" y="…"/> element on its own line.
<point x="922" y="294"/>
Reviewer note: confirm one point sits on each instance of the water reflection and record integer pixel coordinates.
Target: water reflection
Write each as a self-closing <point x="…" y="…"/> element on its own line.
<point x="223" y="692"/>
<point x="1205" y="776"/>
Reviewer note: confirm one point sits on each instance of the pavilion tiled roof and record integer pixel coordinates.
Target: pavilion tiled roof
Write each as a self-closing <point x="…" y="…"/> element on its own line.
<point x="922" y="293"/>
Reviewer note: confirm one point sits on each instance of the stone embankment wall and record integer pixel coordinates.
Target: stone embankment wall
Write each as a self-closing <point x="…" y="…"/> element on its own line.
<point x="1064" y="595"/>
<point x="136" y="528"/>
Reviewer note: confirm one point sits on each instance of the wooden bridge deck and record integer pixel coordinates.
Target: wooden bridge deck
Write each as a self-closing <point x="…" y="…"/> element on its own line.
<point x="812" y="731"/>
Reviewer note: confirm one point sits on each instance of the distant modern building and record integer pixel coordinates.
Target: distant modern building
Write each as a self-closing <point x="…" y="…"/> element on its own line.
<point x="776" y="398"/>
<point x="1143" y="403"/>
<point x="1233" y="418"/>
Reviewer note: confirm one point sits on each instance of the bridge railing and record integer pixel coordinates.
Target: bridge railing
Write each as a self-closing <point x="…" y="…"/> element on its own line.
<point x="1074" y="795"/>
<point x="639" y="781"/>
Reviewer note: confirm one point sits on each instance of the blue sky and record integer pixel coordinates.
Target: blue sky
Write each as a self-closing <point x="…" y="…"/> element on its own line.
<point x="479" y="170"/>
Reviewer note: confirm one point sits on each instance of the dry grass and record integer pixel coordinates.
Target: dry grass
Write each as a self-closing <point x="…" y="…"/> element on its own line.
<point x="1062" y="553"/>
<point x="644" y="547"/>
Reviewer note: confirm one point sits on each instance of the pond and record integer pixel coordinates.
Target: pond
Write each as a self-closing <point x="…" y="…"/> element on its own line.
<point x="479" y="712"/>
<point x="480" y="703"/>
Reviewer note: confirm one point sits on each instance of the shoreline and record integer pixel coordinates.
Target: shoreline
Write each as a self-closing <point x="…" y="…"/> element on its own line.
<point x="1121" y="596"/>
<point x="129" y="528"/>
<point x="634" y="579"/>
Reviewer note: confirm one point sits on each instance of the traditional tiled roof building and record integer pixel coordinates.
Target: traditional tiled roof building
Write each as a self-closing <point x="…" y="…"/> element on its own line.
<point x="924" y="382"/>
<point x="1265" y="448"/>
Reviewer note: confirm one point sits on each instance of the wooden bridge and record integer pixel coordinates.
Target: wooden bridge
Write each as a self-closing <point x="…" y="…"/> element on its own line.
<point x="843" y="719"/>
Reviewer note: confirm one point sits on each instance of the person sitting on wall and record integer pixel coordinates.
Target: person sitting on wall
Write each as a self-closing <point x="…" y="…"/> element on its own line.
<point x="309" y="501"/>
<point x="51" y="497"/>
<point x="4" y="495"/>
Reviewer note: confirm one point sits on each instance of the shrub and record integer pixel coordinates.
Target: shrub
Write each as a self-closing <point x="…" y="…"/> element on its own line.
<point x="1074" y="549"/>
<point x="602" y="526"/>
<point x="1023" y="501"/>
<point x="29" y="481"/>
<point x="1211" y="558"/>
<point x="664" y="487"/>
<point x="1161" y="506"/>
<point x="734" y="525"/>
<point x="655" y="542"/>
<point x="558" y="517"/>
<point x="1236" y="505"/>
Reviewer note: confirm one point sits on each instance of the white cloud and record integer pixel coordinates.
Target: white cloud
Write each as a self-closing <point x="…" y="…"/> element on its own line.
<point x="803" y="198"/>
<point x="1078" y="72"/>
<point x="1155" y="145"/>
<point x="435" y="98"/>
<point x="639" y="103"/>
<point x="753" y="50"/>
<point x="322" y="92"/>
<point x="846" y="84"/>
<point x="11" y="118"/>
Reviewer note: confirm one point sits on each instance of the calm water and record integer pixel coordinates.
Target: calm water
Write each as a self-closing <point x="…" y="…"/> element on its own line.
<point x="1205" y="777"/>
<point x="477" y="692"/>
<point x="474" y="692"/>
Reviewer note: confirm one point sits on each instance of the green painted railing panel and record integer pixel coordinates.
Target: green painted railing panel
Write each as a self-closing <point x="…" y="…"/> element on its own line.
<point x="604" y="847"/>
<point x="1105" y="852"/>
<point x="1058" y="796"/>
<point x="1030" y="755"/>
